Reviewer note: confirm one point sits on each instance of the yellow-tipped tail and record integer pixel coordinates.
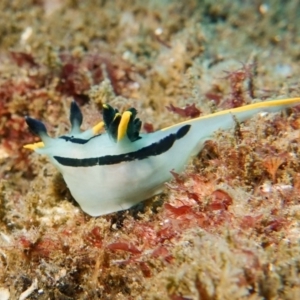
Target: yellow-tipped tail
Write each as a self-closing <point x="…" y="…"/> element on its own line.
<point x="267" y="105"/>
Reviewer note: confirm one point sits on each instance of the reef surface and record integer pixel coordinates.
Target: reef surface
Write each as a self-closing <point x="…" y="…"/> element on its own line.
<point x="226" y="228"/>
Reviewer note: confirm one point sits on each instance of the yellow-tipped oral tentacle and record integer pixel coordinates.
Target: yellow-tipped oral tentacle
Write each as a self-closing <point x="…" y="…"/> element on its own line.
<point x="122" y="129"/>
<point x="34" y="146"/>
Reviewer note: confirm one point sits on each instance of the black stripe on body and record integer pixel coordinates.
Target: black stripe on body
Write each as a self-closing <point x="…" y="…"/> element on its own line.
<point x="76" y="140"/>
<point x="154" y="149"/>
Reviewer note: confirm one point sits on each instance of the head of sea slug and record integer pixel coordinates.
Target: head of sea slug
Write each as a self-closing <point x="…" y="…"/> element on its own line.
<point x="118" y="127"/>
<point x="90" y="161"/>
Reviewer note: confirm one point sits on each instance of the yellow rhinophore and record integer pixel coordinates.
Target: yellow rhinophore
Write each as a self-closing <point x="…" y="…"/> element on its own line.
<point x="123" y="126"/>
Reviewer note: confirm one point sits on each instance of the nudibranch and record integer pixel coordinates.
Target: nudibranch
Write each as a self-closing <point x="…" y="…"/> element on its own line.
<point x="112" y="171"/>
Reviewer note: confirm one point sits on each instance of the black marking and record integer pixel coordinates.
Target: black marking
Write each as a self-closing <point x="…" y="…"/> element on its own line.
<point x="75" y="115"/>
<point x="111" y="120"/>
<point x="154" y="149"/>
<point x="36" y="127"/>
<point x="182" y="131"/>
<point x="77" y="140"/>
<point x="113" y="127"/>
<point x="109" y="114"/>
<point x="134" y="126"/>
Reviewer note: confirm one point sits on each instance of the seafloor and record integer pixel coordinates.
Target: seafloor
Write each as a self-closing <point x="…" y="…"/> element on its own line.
<point x="228" y="227"/>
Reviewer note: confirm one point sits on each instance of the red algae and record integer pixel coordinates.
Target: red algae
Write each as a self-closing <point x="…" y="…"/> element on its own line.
<point x="123" y="246"/>
<point x="189" y="111"/>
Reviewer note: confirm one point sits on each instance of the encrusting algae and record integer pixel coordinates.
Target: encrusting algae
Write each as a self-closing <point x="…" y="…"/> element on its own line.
<point x="225" y="228"/>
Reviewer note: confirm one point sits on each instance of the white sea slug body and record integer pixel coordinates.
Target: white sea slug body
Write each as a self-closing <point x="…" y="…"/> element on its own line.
<point x="115" y="170"/>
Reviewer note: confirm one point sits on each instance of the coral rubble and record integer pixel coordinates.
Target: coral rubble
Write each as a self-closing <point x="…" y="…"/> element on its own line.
<point x="228" y="227"/>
